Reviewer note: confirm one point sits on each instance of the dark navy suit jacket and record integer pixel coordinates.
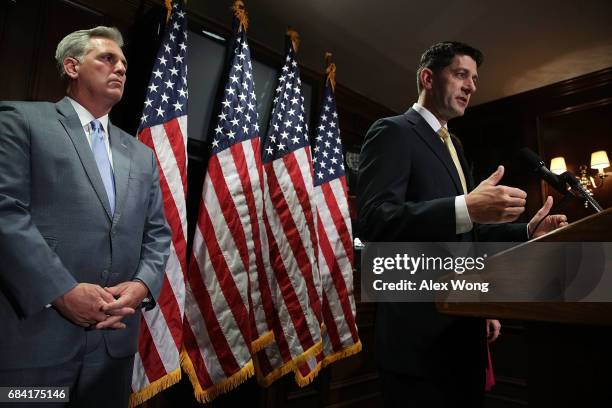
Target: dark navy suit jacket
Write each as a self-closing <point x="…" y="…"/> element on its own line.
<point x="407" y="186"/>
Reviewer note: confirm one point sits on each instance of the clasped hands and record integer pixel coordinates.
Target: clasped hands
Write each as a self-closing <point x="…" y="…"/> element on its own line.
<point x="90" y="305"/>
<point x="491" y="203"/>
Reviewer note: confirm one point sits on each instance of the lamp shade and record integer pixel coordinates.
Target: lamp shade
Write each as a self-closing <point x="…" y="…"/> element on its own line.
<point x="599" y="160"/>
<point x="557" y="165"/>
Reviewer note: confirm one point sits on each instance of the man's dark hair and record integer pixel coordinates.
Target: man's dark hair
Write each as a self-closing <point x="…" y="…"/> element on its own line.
<point x="440" y="56"/>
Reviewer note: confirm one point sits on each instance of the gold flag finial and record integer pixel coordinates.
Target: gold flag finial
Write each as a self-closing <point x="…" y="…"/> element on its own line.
<point x="168" y="10"/>
<point x="241" y="14"/>
<point x="330" y="70"/>
<point x="295" y="38"/>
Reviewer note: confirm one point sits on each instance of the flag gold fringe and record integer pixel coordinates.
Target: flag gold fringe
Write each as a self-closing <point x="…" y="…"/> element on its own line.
<point x="339" y="355"/>
<point x="241" y="14"/>
<point x="304" y="381"/>
<point x="286" y="367"/>
<point x="332" y="358"/>
<point x="262" y="341"/>
<point x="222" y="387"/>
<point x="137" y="398"/>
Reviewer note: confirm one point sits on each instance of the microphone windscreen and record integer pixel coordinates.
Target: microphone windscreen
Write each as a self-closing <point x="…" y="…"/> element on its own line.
<point x="531" y="158"/>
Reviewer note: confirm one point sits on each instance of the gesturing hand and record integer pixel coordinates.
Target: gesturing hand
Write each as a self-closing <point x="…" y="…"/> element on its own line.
<point x="127" y="298"/>
<point x="493" y="330"/>
<point x="83" y="304"/>
<point x="490" y="203"/>
<point x="542" y="223"/>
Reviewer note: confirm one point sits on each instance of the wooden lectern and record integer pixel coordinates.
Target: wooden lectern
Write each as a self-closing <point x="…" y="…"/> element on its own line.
<point x="569" y="344"/>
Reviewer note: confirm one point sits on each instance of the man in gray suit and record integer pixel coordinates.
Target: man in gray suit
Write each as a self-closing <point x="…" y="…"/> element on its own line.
<point x="83" y="237"/>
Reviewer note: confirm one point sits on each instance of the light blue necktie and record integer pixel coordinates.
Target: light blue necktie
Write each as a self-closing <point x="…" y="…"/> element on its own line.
<point x="104" y="166"/>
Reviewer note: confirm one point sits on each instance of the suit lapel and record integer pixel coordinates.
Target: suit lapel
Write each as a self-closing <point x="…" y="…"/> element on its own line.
<point x="432" y="140"/>
<point x="121" y="166"/>
<point x="71" y="123"/>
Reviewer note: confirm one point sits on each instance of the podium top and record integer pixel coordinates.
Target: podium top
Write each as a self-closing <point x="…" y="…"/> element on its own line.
<point x="594" y="228"/>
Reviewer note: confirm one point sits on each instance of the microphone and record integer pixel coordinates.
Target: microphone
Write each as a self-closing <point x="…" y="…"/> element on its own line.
<point x="580" y="191"/>
<point x="537" y="165"/>
<point x="558" y="182"/>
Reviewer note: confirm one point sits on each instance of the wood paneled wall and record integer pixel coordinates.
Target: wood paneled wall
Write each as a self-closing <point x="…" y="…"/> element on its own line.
<point x="29" y="33"/>
<point x="571" y="118"/>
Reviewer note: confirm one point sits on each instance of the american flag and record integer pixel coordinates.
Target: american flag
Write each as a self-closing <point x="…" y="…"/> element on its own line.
<point x="164" y="128"/>
<point x="335" y="259"/>
<point x="224" y="310"/>
<point x="291" y="229"/>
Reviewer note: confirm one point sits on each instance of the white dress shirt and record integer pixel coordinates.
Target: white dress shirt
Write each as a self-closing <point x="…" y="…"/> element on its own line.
<point x="85" y="117"/>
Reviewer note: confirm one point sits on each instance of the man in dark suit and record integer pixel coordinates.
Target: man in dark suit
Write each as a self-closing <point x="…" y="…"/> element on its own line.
<point x="83" y="237"/>
<point x="413" y="186"/>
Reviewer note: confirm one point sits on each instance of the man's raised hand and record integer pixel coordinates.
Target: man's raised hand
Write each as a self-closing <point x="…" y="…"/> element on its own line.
<point x="491" y="203"/>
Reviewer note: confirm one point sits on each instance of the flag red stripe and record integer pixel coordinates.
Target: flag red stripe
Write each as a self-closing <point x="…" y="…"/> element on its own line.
<point x="174" y="222"/>
<point x="230" y="214"/>
<point x="218" y="261"/>
<point x="170" y="210"/>
<point x="330" y="325"/>
<point x="345" y="237"/>
<point x="170" y="309"/>
<point x="337" y="278"/>
<point x="193" y="350"/>
<point x="295" y="173"/>
<point x="279" y="269"/>
<point x="215" y="333"/>
<point x="145" y="137"/>
<point x="247" y="189"/>
<point x="177" y="142"/>
<point x="264" y="285"/>
<point x="288" y="225"/>
<point x="167" y="301"/>
<point x="153" y="365"/>
<point x="298" y="180"/>
<point x="304" y="369"/>
<point x="337" y="217"/>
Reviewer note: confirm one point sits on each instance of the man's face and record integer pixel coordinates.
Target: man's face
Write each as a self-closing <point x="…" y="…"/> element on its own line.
<point x="453" y="85"/>
<point x="101" y="74"/>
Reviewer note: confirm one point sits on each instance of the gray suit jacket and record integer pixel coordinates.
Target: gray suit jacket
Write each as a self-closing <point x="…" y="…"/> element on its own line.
<point x="56" y="229"/>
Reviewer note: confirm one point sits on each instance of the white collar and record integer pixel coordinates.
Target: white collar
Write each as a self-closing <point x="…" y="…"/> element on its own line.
<point x="429" y="117"/>
<point x="85" y="117"/>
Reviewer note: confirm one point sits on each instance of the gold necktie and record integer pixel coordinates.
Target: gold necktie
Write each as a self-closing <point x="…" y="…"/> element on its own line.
<point x="446" y="138"/>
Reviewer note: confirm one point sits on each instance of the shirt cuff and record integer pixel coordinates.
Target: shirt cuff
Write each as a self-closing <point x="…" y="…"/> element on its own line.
<point x="463" y="222"/>
<point x="527" y="232"/>
<point x="148" y="302"/>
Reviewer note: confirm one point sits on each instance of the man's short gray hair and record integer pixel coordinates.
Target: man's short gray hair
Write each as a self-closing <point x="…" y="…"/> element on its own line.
<point x="77" y="45"/>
